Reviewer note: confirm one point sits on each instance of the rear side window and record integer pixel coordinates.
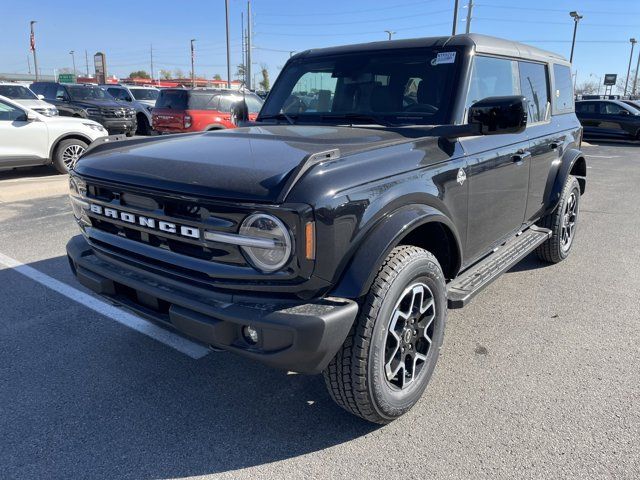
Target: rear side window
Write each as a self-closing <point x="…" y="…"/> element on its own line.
<point x="172" y="99"/>
<point x="586" y="107"/>
<point x="203" y="101"/>
<point x="492" y="77"/>
<point x="533" y="85"/>
<point x="563" y="95"/>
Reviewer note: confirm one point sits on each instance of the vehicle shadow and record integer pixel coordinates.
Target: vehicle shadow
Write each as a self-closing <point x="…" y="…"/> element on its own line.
<point x="30" y="172"/>
<point x="530" y="262"/>
<point x="86" y="397"/>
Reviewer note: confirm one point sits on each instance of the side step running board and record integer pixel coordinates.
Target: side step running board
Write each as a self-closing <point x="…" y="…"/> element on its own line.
<point x="461" y="290"/>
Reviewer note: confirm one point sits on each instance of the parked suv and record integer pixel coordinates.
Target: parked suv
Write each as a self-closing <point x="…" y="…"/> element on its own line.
<point x="89" y="101"/>
<point x="26" y="98"/>
<point x="180" y="110"/>
<point x="28" y="138"/>
<point x="143" y="99"/>
<point x="333" y="238"/>
<point x="609" y="118"/>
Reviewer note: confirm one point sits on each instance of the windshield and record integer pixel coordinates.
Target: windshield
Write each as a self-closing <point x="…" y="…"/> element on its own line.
<point x="88" y="93"/>
<point x="144" y="93"/>
<point x="408" y="86"/>
<point x="17" y="92"/>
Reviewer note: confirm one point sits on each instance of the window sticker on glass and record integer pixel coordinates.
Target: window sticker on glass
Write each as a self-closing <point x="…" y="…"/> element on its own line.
<point x="444" y="57"/>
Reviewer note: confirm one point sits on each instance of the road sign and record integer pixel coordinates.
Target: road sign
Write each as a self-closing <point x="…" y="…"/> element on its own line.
<point x="610" y="79"/>
<point x="67" y="78"/>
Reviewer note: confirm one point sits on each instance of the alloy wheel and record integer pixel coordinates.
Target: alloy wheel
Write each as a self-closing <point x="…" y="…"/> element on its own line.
<point x="409" y="336"/>
<point x="569" y="218"/>
<point x="71" y="154"/>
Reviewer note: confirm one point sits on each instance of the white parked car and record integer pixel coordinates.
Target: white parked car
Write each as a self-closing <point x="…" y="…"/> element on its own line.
<point x="28" y="138"/>
<point x="25" y="97"/>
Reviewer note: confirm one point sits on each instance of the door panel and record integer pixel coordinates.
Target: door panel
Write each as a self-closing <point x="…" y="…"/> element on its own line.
<point x="498" y="176"/>
<point x="545" y="144"/>
<point x="21" y="140"/>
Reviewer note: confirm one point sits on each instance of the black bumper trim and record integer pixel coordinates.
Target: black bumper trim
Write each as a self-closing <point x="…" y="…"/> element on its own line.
<point x="293" y="336"/>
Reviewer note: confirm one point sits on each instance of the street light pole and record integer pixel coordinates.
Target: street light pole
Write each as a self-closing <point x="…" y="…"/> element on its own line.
<point x="635" y="77"/>
<point x="193" y="57"/>
<point x="73" y="58"/>
<point x="33" y="49"/>
<point x="626" y="83"/>
<point x="390" y="32"/>
<point x="455" y="17"/>
<point x="249" y="55"/>
<point x="226" y="12"/>
<point x="576" y="18"/>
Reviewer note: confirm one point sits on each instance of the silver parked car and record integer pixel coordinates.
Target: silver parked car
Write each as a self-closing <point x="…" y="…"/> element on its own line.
<point x="143" y="99"/>
<point x="25" y="97"/>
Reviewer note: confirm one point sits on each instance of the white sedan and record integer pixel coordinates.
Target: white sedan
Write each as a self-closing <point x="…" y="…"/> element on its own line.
<point x="28" y="138"/>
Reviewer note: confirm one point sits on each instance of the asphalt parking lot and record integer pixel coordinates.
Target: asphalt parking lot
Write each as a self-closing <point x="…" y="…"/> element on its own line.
<point x="539" y="377"/>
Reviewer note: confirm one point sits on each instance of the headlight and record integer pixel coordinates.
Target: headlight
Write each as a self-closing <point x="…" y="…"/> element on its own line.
<point x="93" y="126"/>
<point x="77" y="192"/>
<point x="261" y="226"/>
<point x="53" y="112"/>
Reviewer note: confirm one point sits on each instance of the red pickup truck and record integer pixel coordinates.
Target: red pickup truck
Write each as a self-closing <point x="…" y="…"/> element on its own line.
<point x="179" y="110"/>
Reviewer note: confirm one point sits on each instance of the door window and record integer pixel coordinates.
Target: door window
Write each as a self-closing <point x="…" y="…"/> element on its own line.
<point x="61" y="93"/>
<point x="9" y="113"/>
<point x="584" y="107"/>
<point x="533" y="85"/>
<point x="119" y="93"/>
<point x="492" y="77"/>
<point x="563" y="98"/>
<point x="609" y="108"/>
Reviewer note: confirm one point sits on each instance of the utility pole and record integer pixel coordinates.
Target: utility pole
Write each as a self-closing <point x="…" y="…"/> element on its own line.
<point x="633" y="44"/>
<point x="32" y="44"/>
<point x="73" y="58"/>
<point x="193" y="58"/>
<point x="635" y="77"/>
<point x="455" y="17"/>
<point x="390" y="32"/>
<point x="244" y="46"/>
<point x="226" y="11"/>
<point x="151" y="55"/>
<point x="576" y="18"/>
<point x="469" y="10"/>
<point x="248" y="65"/>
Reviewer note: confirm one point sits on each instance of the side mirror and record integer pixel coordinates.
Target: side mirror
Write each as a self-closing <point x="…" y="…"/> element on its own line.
<point x="31" y="116"/>
<point x="499" y="115"/>
<point x="624" y="113"/>
<point x="239" y="113"/>
<point x="40" y="97"/>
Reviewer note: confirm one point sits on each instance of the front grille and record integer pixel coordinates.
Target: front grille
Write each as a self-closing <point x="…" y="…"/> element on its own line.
<point x="117" y="113"/>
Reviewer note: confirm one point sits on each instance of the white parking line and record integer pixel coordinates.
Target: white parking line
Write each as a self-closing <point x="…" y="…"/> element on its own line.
<point x="603" y="156"/>
<point x="177" y="342"/>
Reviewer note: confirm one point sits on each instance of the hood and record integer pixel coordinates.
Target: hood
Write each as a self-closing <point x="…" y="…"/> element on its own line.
<point x="250" y="164"/>
<point x="98" y="103"/>
<point x="34" y="103"/>
<point x="147" y="103"/>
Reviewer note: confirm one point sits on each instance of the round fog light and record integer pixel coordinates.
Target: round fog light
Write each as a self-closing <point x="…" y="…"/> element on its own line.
<point x="250" y="334"/>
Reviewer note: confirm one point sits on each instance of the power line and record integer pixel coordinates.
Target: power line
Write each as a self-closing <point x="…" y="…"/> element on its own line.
<point x="344" y="12"/>
<point x="355" y="22"/>
<point x="373" y="32"/>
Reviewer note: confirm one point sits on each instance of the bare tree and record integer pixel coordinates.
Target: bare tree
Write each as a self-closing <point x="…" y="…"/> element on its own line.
<point x="587" y="88"/>
<point x="265" y="84"/>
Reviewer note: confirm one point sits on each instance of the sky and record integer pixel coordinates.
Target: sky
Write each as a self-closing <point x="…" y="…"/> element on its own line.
<point x="125" y="31"/>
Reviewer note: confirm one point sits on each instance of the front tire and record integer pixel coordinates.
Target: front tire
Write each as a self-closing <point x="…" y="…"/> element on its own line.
<point x="562" y="222"/>
<point x="391" y="351"/>
<point x="67" y="153"/>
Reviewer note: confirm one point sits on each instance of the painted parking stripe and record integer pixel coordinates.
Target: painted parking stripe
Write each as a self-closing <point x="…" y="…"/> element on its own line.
<point x="603" y="156"/>
<point x="177" y="342"/>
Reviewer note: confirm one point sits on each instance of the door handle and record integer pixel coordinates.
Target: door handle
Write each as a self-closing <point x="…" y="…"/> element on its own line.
<point x="520" y="156"/>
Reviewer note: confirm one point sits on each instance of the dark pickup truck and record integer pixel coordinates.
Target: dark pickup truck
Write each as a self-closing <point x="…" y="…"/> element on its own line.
<point x="381" y="185"/>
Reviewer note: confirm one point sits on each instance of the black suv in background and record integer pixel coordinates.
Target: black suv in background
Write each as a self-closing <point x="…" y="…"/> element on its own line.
<point x="333" y="235"/>
<point x="89" y="101"/>
<point x="609" y="118"/>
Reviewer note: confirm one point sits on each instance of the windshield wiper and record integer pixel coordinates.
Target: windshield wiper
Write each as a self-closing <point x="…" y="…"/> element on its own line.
<point x="357" y="117"/>
<point x="278" y="116"/>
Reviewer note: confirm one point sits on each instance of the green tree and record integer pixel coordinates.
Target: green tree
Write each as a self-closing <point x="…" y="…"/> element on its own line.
<point x="240" y="71"/>
<point x="264" y="84"/>
<point x="178" y="73"/>
<point x="165" y="74"/>
<point x="139" y="74"/>
<point x="217" y="77"/>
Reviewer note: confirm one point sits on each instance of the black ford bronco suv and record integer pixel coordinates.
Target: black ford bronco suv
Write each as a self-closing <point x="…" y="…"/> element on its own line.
<point x="381" y="185"/>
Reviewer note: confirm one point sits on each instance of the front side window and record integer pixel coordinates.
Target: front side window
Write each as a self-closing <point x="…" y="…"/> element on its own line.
<point x="586" y="107"/>
<point x="408" y="86"/>
<point x="610" y="108"/>
<point x="9" y="113"/>
<point x="144" y="93"/>
<point x="492" y="77"/>
<point x="119" y="93"/>
<point x="17" y="92"/>
<point x="533" y="85"/>
<point x="563" y="95"/>
<point x="61" y="93"/>
<point x="254" y="104"/>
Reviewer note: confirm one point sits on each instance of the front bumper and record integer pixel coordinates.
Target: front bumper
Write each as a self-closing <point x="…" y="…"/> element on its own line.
<point x="302" y="337"/>
<point x="117" y="125"/>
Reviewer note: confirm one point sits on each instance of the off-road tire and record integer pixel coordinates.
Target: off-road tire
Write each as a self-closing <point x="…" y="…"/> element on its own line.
<point x="354" y="377"/>
<point x="552" y="251"/>
<point x="143" y="126"/>
<point x="58" y="160"/>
